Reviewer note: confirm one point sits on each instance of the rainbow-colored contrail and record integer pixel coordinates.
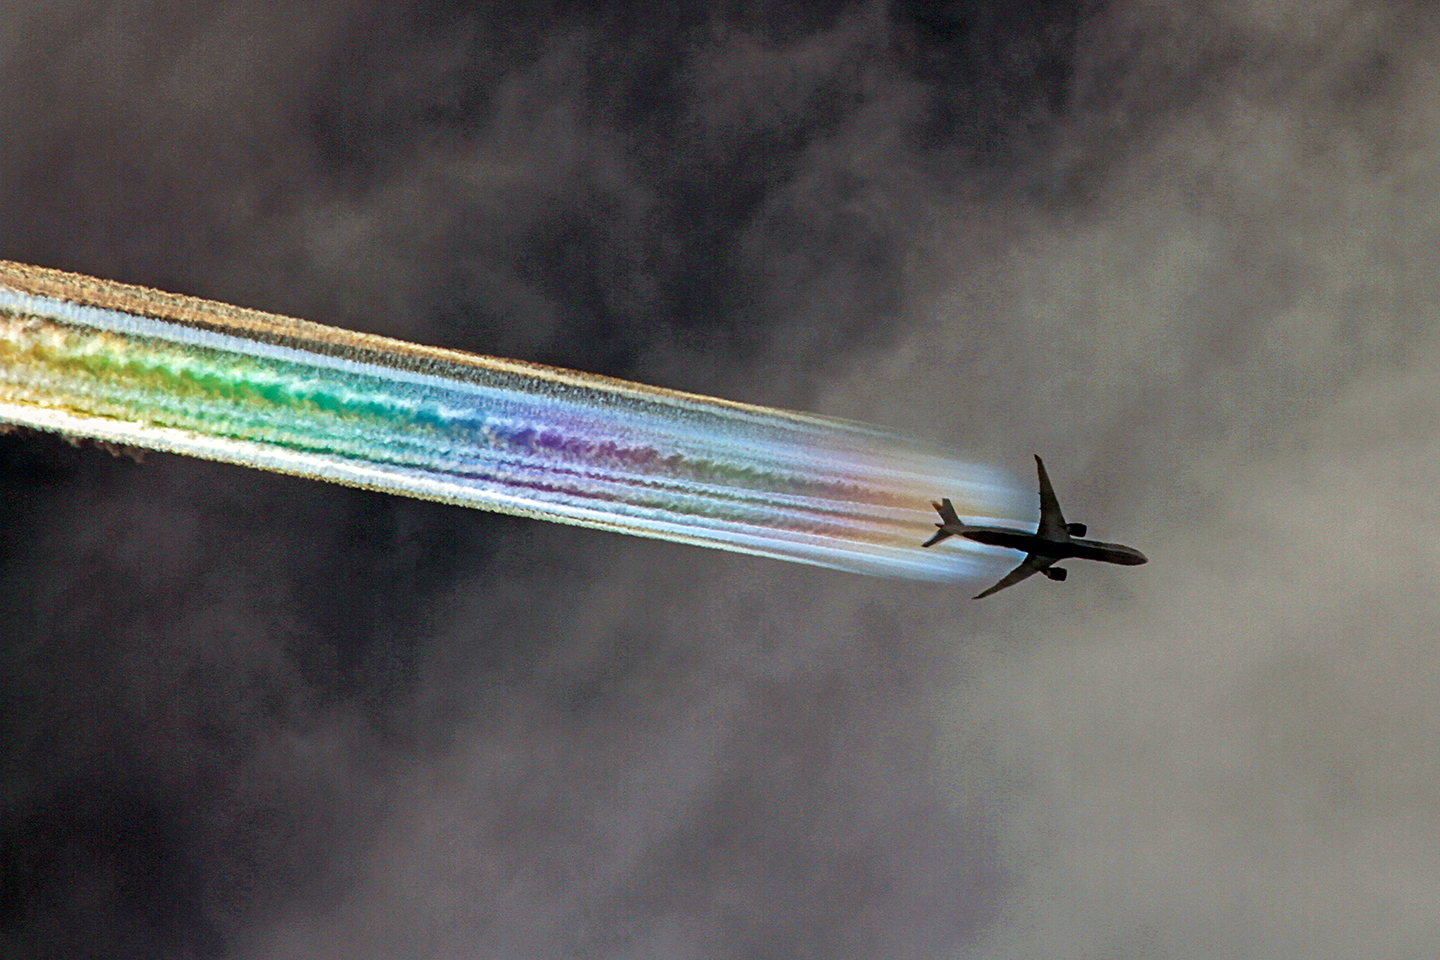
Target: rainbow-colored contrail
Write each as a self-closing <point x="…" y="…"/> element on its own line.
<point x="130" y="365"/>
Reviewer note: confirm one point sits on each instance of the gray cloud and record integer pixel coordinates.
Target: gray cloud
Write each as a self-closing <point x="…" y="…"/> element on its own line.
<point x="1234" y="337"/>
<point x="1181" y="250"/>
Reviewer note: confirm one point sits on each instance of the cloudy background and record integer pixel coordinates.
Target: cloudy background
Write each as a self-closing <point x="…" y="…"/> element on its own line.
<point x="1187" y="251"/>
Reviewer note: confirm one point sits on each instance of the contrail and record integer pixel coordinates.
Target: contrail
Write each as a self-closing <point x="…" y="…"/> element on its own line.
<point x="129" y="365"/>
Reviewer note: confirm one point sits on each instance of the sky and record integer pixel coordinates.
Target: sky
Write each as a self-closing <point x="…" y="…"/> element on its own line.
<point x="1185" y="251"/>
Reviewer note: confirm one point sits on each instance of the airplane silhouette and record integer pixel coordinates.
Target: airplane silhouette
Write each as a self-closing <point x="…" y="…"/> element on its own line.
<point x="1052" y="541"/>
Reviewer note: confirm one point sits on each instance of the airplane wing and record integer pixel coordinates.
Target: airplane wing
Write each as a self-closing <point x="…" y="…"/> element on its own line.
<point x="1052" y="521"/>
<point x="1030" y="566"/>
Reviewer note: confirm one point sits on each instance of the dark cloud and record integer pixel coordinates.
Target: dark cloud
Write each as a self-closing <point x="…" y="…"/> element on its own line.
<point x="1182" y="249"/>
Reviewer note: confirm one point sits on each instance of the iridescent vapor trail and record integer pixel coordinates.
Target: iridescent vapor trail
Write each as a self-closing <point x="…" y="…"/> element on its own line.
<point x="129" y="365"/>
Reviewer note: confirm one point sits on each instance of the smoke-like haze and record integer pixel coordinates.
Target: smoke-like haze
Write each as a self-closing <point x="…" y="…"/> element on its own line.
<point x="1186" y="251"/>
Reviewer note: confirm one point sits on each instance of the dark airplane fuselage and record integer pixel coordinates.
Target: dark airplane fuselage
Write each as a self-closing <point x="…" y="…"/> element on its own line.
<point x="1013" y="539"/>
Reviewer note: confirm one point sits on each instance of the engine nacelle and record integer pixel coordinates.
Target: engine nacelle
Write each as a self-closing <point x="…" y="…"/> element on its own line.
<point x="1055" y="573"/>
<point x="1076" y="529"/>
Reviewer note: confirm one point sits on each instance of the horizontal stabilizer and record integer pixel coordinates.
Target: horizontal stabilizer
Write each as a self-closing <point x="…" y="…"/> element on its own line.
<point x="937" y="538"/>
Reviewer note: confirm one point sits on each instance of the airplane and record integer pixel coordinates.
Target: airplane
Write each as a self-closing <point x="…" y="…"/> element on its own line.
<point x="1053" y="540"/>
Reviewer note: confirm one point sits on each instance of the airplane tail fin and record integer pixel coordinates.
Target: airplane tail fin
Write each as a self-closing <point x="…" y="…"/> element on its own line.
<point x="947" y="517"/>
<point x="947" y="512"/>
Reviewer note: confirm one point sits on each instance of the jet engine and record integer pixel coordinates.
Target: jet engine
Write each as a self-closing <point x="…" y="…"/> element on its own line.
<point x="1055" y="573"/>
<point x="1076" y="529"/>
